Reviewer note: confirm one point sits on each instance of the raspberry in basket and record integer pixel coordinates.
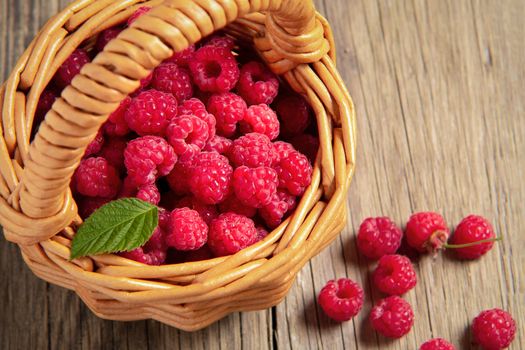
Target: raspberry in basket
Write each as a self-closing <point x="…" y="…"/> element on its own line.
<point x="45" y="102"/>
<point x="294" y="114"/>
<point x="195" y="107"/>
<point x="341" y="299"/>
<point x="253" y="150"/>
<point x="261" y="119"/>
<point x="178" y="179"/>
<point x="230" y="233"/>
<point x="116" y="124"/>
<point x="88" y="205"/>
<point x="95" y="177"/>
<point x="307" y="145"/>
<point x="203" y="253"/>
<point x="210" y="177"/>
<point x="232" y="204"/>
<point x="206" y="211"/>
<point x="152" y="253"/>
<point x="113" y="152"/>
<point x="282" y="149"/>
<point x="218" y="144"/>
<point x="150" y="112"/>
<point x="105" y="36"/>
<point x="147" y="158"/>
<point x="392" y="317"/>
<point x="71" y="67"/>
<point x="168" y="77"/>
<point x="140" y="11"/>
<point x="257" y="84"/>
<point x="186" y="230"/>
<point x="182" y="58"/>
<point x="295" y="173"/>
<point x="220" y="41"/>
<point x="280" y="205"/>
<point x="254" y="187"/>
<point x="228" y="109"/>
<point x="96" y="145"/>
<point x="214" y="69"/>
<point x="148" y="192"/>
<point x="187" y="134"/>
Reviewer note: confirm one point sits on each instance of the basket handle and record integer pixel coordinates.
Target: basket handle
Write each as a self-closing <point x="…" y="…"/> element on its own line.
<point x="42" y="203"/>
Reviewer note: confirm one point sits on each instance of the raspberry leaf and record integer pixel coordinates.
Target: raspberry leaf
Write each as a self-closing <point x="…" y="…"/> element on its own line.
<point x="121" y="225"/>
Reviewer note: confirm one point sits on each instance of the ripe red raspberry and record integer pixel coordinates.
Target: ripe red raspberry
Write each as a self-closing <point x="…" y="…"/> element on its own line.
<point x="195" y="107"/>
<point x="105" y="36"/>
<point x="96" y="145"/>
<point x="150" y="112"/>
<point x="179" y="177"/>
<point x="186" y="230"/>
<point x="261" y="233"/>
<point x="88" y="205"/>
<point x="252" y="150"/>
<point x="116" y="124"/>
<point x="257" y="84"/>
<point x="228" y="109"/>
<point x="45" y="102"/>
<point x="187" y="134"/>
<point x="378" y="237"/>
<point x="392" y="317"/>
<point x="113" y="152"/>
<point x="210" y="177"/>
<point x="282" y="149"/>
<point x="203" y="253"/>
<point x="148" y="158"/>
<point x="254" y="187"/>
<point x="71" y="67"/>
<point x="437" y="344"/>
<point x="426" y="232"/>
<point x="261" y="119"/>
<point x="233" y="205"/>
<point x="148" y="192"/>
<point x="294" y="114"/>
<point x="218" y="144"/>
<point x="220" y="41"/>
<point x="168" y="77"/>
<point x="214" y="69"/>
<point x="207" y="212"/>
<point x="230" y="233"/>
<point x="144" y="83"/>
<point x="394" y="275"/>
<point x="182" y="58"/>
<point x="307" y="145"/>
<point x="295" y="173"/>
<point x="494" y="329"/>
<point x="281" y="204"/>
<point x="139" y="12"/>
<point x="341" y="299"/>
<point x="152" y="253"/>
<point x="95" y="177"/>
<point x="468" y="236"/>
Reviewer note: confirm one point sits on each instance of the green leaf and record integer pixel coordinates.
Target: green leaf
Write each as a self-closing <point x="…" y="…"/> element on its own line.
<point x="121" y="225"/>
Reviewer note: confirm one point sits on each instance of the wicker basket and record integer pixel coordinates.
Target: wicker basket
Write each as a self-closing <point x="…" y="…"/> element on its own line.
<point x="37" y="210"/>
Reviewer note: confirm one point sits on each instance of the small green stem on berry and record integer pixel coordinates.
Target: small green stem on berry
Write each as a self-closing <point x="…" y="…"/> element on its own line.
<point x="472" y="244"/>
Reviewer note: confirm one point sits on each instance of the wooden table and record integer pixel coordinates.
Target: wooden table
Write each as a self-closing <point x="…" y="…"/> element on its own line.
<point x="439" y="89"/>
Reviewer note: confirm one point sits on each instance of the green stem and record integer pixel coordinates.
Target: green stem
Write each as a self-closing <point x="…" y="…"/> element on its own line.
<point x="466" y="245"/>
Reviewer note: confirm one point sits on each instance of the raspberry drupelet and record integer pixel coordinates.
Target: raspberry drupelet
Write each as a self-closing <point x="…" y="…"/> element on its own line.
<point x="230" y="233"/>
<point x="392" y="317"/>
<point x="426" y="232"/>
<point x="281" y="204"/>
<point x="95" y="177"/>
<point x="186" y="230"/>
<point x="257" y="84"/>
<point x="210" y="177"/>
<point x="214" y="69"/>
<point x="254" y="187"/>
<point x="494" y="329"/>
<point x="394" y="275"/>
<point x="252" y="150"/>
<point x="228" y="109"/>
<point x="71" y="67"/>
<point x="187" y="134"/>
<point x="341" y="299"/>
<point x="262" y="119"/>
<point x="169" y="77"/>
<point x="150" y="112"/>
<point x="437" y="344"/>
<point x="378" y="236"/>
<point x="295" y="173"/>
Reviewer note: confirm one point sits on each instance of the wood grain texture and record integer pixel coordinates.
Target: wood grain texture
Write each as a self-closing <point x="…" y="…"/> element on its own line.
<point x="439" y="89"/>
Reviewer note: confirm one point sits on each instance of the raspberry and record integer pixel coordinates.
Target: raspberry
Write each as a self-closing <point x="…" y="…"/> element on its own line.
<point x="281" y="204"/>
<point x="378" y="237"/>
<point x="494" y="329"/>
<point x="210" y="177"/>
<point x="116" y="124"/>
<point x="392" y="317"/>
<point x="257" y="84"/>
<point x="150" y="112"/>
<point x="182" y="58"/>
<point x="220" y="41"/>
<point x="261" y="233"/>
<point x="96" y="145"/>
<point x="113" y="152"/>
<point x="195" y="107"/>
<point x="470" y="232"/>
<point x="144" y="83"/>
<point x="95" y="177"/>
<point x="214" y="69"/>
<point x="148" y="192"/>
<point x="394" y="275"/>
<point x="207" y="212"/>
<point x="168" y="77"/>
<point x="437" y="344"/>
<point x="71" y="67"/>
<point x="232" y="205"/>
<point x="218" y="144"/>
<point x="152" y="253"/>
<point x="147" y="158"/>
<point x="294" y="114"/>
<point x="307" y="145"/>
<point x="261" y="119"/>
<point x="341" y="299"/>
<point x="203" y="253"/>
<point x="45" y="102"/>
<point x="186" y="230"/>
<point x="228" y="109"/>
<point x="295" y="173"/>
<point x="426" y="231"/>
<point x="88" y="205"/>
<point x="187" y="134"/>
<point x="252" y="150"/>
<point x="230" y="233"/>
<point x="179" y="177"/>
<point x="282" y="149"/>
<point x="254" y="187"/>
<point x="105" y="36"/>
<point x="139" y="12"/>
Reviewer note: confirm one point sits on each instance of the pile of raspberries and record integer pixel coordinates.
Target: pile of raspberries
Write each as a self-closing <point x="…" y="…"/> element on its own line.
<point x="212" y="137"/>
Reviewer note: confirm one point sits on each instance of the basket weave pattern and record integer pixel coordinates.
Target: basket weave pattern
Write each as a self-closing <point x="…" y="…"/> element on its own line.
<point x="37" y="210"/>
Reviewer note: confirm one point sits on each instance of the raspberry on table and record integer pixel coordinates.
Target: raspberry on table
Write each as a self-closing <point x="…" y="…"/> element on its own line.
<point x="116" y="124"/>
<point x="252" y="150"/>
<point x="228" y="109"/>
<point x="254" y="187"/>
<point x="392" y="317"/>
<point x="71" y="67"/>
<point x="214" y="69"/>
<point x="178" y="179"/>
<point x="147" y="158"/>
<point x="494" y="329"/>
<point x="470" y="231"/>
<point x="150" y="112"/>
<point x="195" y="107"/>
<point x="169" y="77"/>
<point x="139" y="12"/>
<point x="294" y="114"/>
<point x="378" y="236"/>
<point x="113" y="152"/>
<point x="218" y="144"/>
<point x="282" y="149"/>
<point x="186" y="230"/>
<point x="307" y="145"/>
<point x="341" y="299"/>
<point x="233" y="205"/>
<point x="210" y="177"/>
<point x="95" y="177"/>
<point x="257" y="84"/>
<point x="220" y="41"/>
<point x="426" y="232"/>
<point x="88" y="205"/>
<point x="394" y="275"/>
<point x="281" y="204"/>
<point x="437" y="344"/>
<point x="187" y="134"/>
<point x="182" y="58"/>
<point x="206" y="211"/>
<point x="96" y="145"/>
<point x="262" y="119"/>
<point x="295" y="173"/>
<point x="105" y="36"/>
<point x="230" y="233"/>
